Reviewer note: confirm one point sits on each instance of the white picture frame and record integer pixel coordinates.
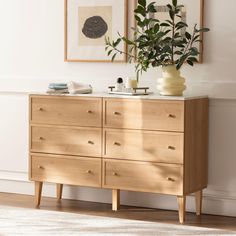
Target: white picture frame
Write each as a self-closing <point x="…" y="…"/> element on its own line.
<point x="87" y="23"/>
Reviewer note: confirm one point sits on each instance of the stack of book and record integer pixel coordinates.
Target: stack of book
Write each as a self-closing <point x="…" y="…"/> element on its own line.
<point x="71" y="88"/>
<point x="57" y="88"/>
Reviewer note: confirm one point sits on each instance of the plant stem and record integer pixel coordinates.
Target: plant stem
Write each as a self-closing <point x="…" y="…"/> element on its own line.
<point x="128" y="54"/>
<point x="172" y="45"/>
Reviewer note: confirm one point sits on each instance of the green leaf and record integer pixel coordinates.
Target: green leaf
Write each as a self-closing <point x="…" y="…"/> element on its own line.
<point x="113" y="57"/>
<point x="127" y="41"/>
<point x="171" y="14"/>
<point x="193" y="59"/>
<point x="142" y="3"/>
<point x="196" y="37"/>
<point x="151" y="8"/>
<point x="174" y="2"/>
<point x="137" y="18"/>
<point x="169" y="6"/>
<point x="190" y="62"/>
<point x="156" y="28"/>
<point x="170" y="22"/>
<point x="109" y="53"/>
<point x="140" y="10"/>
<point x="116" y="43"/>
<point x="204" y="30"/>
<point x="188" y="35"/>
<point x="178" y="53"/>
<point x="164" y="24"/>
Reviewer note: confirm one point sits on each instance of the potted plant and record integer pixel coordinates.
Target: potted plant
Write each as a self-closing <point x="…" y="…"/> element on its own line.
<point x="160" y="44"/>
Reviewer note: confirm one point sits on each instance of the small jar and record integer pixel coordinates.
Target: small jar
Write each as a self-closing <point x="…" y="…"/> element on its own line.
<point x="131" y="82"/>
<point x="119" y="85"/>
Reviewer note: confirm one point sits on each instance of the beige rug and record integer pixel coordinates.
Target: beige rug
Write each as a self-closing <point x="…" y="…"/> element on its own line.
<point x="20" y="221"/>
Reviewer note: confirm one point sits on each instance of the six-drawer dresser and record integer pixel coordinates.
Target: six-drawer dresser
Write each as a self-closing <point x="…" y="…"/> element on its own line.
<point x="149" y="144"/>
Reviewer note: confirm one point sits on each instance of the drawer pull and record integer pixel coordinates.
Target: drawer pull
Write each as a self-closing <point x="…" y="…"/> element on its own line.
<point x="170" y="179"/>
<point x="89" y="172"/>
<point x="89" y="112"/>
<point x="41" y="138"/>
<point x="117" y="144"/>
<point x="40" y="109"/>
<point x="116" y="113"/>
<point x="114" y="174"/>
<point x="171" y="116"/>
<point x="40" y="167"/>
<point x="171" y="148"/>
<point x="90" y="142"/>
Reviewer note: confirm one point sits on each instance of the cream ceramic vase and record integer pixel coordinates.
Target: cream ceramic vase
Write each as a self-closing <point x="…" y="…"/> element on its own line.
<point x="171" y="84"/>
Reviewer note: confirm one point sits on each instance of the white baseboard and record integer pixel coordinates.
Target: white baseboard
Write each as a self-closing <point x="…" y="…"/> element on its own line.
<point x="214" y="202"/>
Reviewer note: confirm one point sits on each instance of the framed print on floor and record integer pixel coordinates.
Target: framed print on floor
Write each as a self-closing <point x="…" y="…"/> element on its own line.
<point x="191" y="13"/>
<point x="87" y="23"/>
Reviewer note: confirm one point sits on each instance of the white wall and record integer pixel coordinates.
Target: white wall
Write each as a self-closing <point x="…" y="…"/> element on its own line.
<point x="31" y="56"/>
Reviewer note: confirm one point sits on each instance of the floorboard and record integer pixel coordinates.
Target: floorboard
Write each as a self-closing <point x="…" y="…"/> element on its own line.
<point x="126" y="212"/>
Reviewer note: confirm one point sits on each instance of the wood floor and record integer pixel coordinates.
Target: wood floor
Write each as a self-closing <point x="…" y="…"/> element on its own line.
<point x="126" y="212"/>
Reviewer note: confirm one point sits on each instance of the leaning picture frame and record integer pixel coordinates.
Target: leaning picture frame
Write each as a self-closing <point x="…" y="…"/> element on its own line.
<point x="88" y="23"/>
<point x="192" y="13"/>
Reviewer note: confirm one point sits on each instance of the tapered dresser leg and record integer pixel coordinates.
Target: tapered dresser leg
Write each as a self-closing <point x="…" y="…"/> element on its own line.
<point x="115" y="199"/>
<point x="198" y="201"/>
<point x="181" y="203"/>
<point x="59" y="191"/>
<point x="38" y="192"/>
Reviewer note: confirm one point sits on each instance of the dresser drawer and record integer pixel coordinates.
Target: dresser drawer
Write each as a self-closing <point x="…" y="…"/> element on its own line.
<point x="153" y="146"/>
<point x="143" y="176"/>
<point x="71" y="141"/>
<point x="66" y="170"/>
<point x="144" y="114"/>
<point x="66" y="111"/>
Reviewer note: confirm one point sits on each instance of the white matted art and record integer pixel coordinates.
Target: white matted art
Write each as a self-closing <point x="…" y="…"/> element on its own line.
<point x="191" y="13"/>
<point x="88" y="23"/>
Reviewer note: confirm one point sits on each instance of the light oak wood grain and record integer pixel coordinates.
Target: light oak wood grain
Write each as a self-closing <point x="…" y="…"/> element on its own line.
<point x="38" y="192"/>
<point x="146" y="146"/>
<point x="196" y="145"/>
<point x="66" y="170"/>
<point x="198" y="201"/>
<point x="75" y="111"/>
<point x="144" y="114"/>
<point x="115" y="199"/>
<point x="59" y="191"/>
<point x="157" y="146"/>
<point x="142" y="176"/>
<point x="182" y="206"/>
<point x="66" y="140"/>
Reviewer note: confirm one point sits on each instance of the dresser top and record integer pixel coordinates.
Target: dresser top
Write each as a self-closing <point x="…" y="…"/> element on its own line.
<point x="153" y="96"/>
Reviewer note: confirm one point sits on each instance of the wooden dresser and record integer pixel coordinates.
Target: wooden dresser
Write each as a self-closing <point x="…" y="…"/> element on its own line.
<point x="150" y="144"/>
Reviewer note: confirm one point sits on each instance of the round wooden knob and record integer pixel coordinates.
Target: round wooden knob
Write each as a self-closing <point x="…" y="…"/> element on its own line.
<point x="90" y="142"/>
<point x="171" y="116"/>
<point x="171" y="147"/>
<point x="40" y="109"/>
<point x="170" y="179"/>
<point x="114" y="173"/>
<point x="40" y="167"/>
<point x="89" y="111"/>
<point x="41" y="138"/>
<point x="117" y="144"/>
<point x="116" y="113"/>
<point x="88" y="171"/>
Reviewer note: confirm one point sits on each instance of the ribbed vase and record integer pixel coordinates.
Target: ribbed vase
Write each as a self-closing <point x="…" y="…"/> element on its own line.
<point x="171" y="84"/>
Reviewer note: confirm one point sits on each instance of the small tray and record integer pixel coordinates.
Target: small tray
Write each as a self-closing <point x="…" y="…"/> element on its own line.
<point x="134" y="92"/>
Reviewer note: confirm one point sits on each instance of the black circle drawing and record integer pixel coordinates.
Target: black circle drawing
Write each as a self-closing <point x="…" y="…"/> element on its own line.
<point x="95" y="27"/>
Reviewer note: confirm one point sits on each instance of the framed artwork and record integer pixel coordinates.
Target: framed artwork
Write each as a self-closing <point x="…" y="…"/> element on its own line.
<point x="191" y="13"/>
<point x="87" y="23"/>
